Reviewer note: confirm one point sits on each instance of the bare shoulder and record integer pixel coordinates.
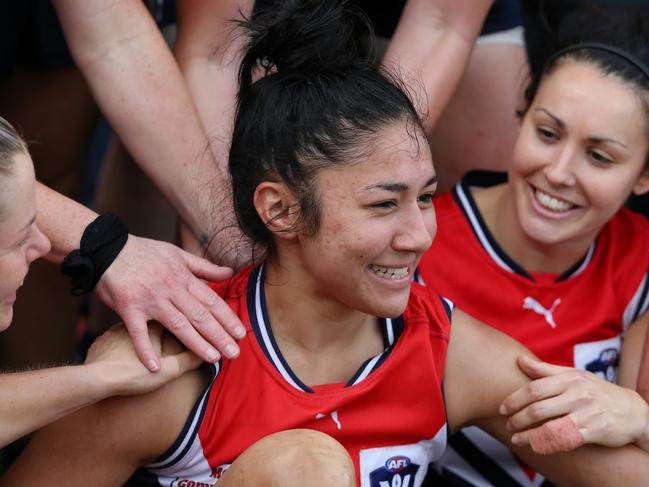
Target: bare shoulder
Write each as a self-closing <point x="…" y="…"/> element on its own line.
<point x="108" y="441"/>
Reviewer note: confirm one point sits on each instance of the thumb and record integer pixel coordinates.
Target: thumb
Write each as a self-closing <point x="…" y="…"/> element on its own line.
<point x="536" y="369"/>
<point x="204" y="269"/>
<point x="176" y="365"/>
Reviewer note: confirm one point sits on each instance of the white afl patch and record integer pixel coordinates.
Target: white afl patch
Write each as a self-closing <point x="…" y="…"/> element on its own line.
<point x="599" y="357"/>
<point x="401" y="465"/>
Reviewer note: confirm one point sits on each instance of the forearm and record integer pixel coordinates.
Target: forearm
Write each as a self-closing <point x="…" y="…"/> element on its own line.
<point x="36" y="398"/>
<point x="208" y="51"/>
<point x="141" y="91"/>
<point x="586" y="466"/>
<point x="62" y="220"/>
<point x="432" y="45"/>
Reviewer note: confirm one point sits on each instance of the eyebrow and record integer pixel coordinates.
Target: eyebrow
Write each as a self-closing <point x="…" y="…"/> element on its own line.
<point x="558" y="121"/>
<point x="397" y="187"/>
<point x="593" y="139"/>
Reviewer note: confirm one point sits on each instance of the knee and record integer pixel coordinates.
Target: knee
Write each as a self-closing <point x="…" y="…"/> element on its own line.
<point x="294" y="457"/>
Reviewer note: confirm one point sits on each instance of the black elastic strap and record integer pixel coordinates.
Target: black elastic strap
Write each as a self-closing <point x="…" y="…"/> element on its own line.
<point x="630" y="58"/>
<point x="101" y="242"/>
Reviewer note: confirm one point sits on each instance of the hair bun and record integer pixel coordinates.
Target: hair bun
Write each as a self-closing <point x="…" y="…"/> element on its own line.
<point x="303" y="37"/>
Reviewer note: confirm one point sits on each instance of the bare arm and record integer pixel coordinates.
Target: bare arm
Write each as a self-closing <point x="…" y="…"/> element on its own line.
<point x="139" y="87"/>
<point x="149" y="280"/>
<point x="432" y="44"/>
<point x="102" y="445"/>
<point x="634" y="366"/>
<point x="474" y="395"/>
<point x="208" y="50"/>
<point x="35" y="398"/>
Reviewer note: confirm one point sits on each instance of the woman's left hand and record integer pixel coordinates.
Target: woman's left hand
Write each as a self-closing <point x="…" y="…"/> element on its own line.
<point x="600" y="412"/>
<point x="120" y="372"/>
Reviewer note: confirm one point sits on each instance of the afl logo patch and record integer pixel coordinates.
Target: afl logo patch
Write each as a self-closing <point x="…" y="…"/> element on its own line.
<point x="397" y="464"/>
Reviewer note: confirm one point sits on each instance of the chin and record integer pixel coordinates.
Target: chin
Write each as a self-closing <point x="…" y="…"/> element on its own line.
<point x="389" y="308"/>
<point x="6" y="315"/>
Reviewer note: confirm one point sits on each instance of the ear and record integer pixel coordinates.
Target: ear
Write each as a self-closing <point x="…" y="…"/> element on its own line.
<point x="642" y="184"/>
<point x="277" y="208"/>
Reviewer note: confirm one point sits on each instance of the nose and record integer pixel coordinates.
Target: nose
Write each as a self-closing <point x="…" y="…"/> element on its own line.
<point x="417" y="229"/>
<point x="560" y="170"/>
<point x="39" y="246"/>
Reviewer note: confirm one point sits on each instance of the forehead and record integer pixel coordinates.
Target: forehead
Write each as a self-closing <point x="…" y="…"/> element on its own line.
<point x="395" y="153"/>
<point x="581" y="91"/>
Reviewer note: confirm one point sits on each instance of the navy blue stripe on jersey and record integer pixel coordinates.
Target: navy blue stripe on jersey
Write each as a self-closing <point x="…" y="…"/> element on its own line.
<point x="184" y="441"/>
<point x="643" y="300"/>
<point x="450" y="478"/>
<point x="464" y="199"/>
<point x="449" y="306"/>
<point x="261" y="326"/>
<point x="416" y="277"/>
<point x="393" y="327"/>
<point x="639" y="303"/>
<point x="580" y="266"/>
<point x="481" y="462"/>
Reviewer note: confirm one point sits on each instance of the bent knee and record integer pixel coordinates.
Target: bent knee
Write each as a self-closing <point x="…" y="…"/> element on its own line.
<point x="293" y="457"/>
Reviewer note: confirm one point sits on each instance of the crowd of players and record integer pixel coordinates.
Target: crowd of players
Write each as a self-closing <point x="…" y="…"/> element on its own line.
<point x="285" y="140"/>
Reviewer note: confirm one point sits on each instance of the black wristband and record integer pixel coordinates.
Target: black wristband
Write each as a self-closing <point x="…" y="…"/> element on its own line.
<point x="101" y="242"/>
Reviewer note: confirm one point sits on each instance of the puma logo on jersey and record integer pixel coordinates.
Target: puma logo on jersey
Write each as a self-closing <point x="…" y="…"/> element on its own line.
<point x="534" y="305"/>
<point x="334" y="418"/>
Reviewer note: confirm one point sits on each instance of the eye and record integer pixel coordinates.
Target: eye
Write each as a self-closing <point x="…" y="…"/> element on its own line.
<point x="23" y="241"/>
<point x="385" y="205"/>
<point x="546" y="134"/>
<point x="426" y="199"/>
<point x="600" y="157"/>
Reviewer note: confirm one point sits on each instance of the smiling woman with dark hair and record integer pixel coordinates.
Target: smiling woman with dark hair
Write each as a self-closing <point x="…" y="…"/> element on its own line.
<point x="551" y="258"/>
<point x="339" y="381"/>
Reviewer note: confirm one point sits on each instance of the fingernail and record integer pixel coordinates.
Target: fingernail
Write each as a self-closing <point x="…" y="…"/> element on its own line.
<point x="231" y="351"/>
<point x="516" y="440"/>
<point x="212" y="355"/>
<point x="239" y="332"/>
<point x="502" y="409"/>
<point x="153" y="365"/>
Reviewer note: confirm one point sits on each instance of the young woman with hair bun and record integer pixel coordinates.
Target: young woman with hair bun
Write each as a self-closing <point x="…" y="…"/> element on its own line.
<point x="332" y="174"/>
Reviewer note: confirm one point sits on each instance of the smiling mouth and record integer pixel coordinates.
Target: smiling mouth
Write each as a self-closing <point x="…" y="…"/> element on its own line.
<point x="551" y="203"/>
<point x="389" y="272"/>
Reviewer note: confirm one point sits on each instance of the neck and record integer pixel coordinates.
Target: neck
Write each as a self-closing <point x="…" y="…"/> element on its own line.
<point x="498" y="211"/>
<point x="322" y="340"/>
<point x="301" y="314"/>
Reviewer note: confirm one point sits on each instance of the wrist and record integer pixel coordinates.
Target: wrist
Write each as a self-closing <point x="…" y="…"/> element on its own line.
<point x="99" y="381"/>
<point x="102" y="241"/>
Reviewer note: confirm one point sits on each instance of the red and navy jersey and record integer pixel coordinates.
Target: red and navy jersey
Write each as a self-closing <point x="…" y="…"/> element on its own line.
<point x="390" y="415"/>
<point x="576" y="318"/>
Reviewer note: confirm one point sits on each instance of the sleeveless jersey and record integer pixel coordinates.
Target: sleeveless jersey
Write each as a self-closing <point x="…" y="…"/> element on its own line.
<point x="390" y="415"/>
<point x="575" y="319"/>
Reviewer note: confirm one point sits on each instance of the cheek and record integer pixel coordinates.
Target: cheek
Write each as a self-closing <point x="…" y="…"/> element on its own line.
<point x="430" y="220"/>
<point x="605" y="195"/>
<point x="12" y="269"/>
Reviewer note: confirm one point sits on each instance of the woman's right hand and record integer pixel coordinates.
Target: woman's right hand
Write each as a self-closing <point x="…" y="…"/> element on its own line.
<point x="120" y="370"/>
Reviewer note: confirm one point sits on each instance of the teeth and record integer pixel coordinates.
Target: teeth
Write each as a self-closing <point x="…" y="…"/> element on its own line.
<point x="390" y="272"/>
<point x="551" y="203"/>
